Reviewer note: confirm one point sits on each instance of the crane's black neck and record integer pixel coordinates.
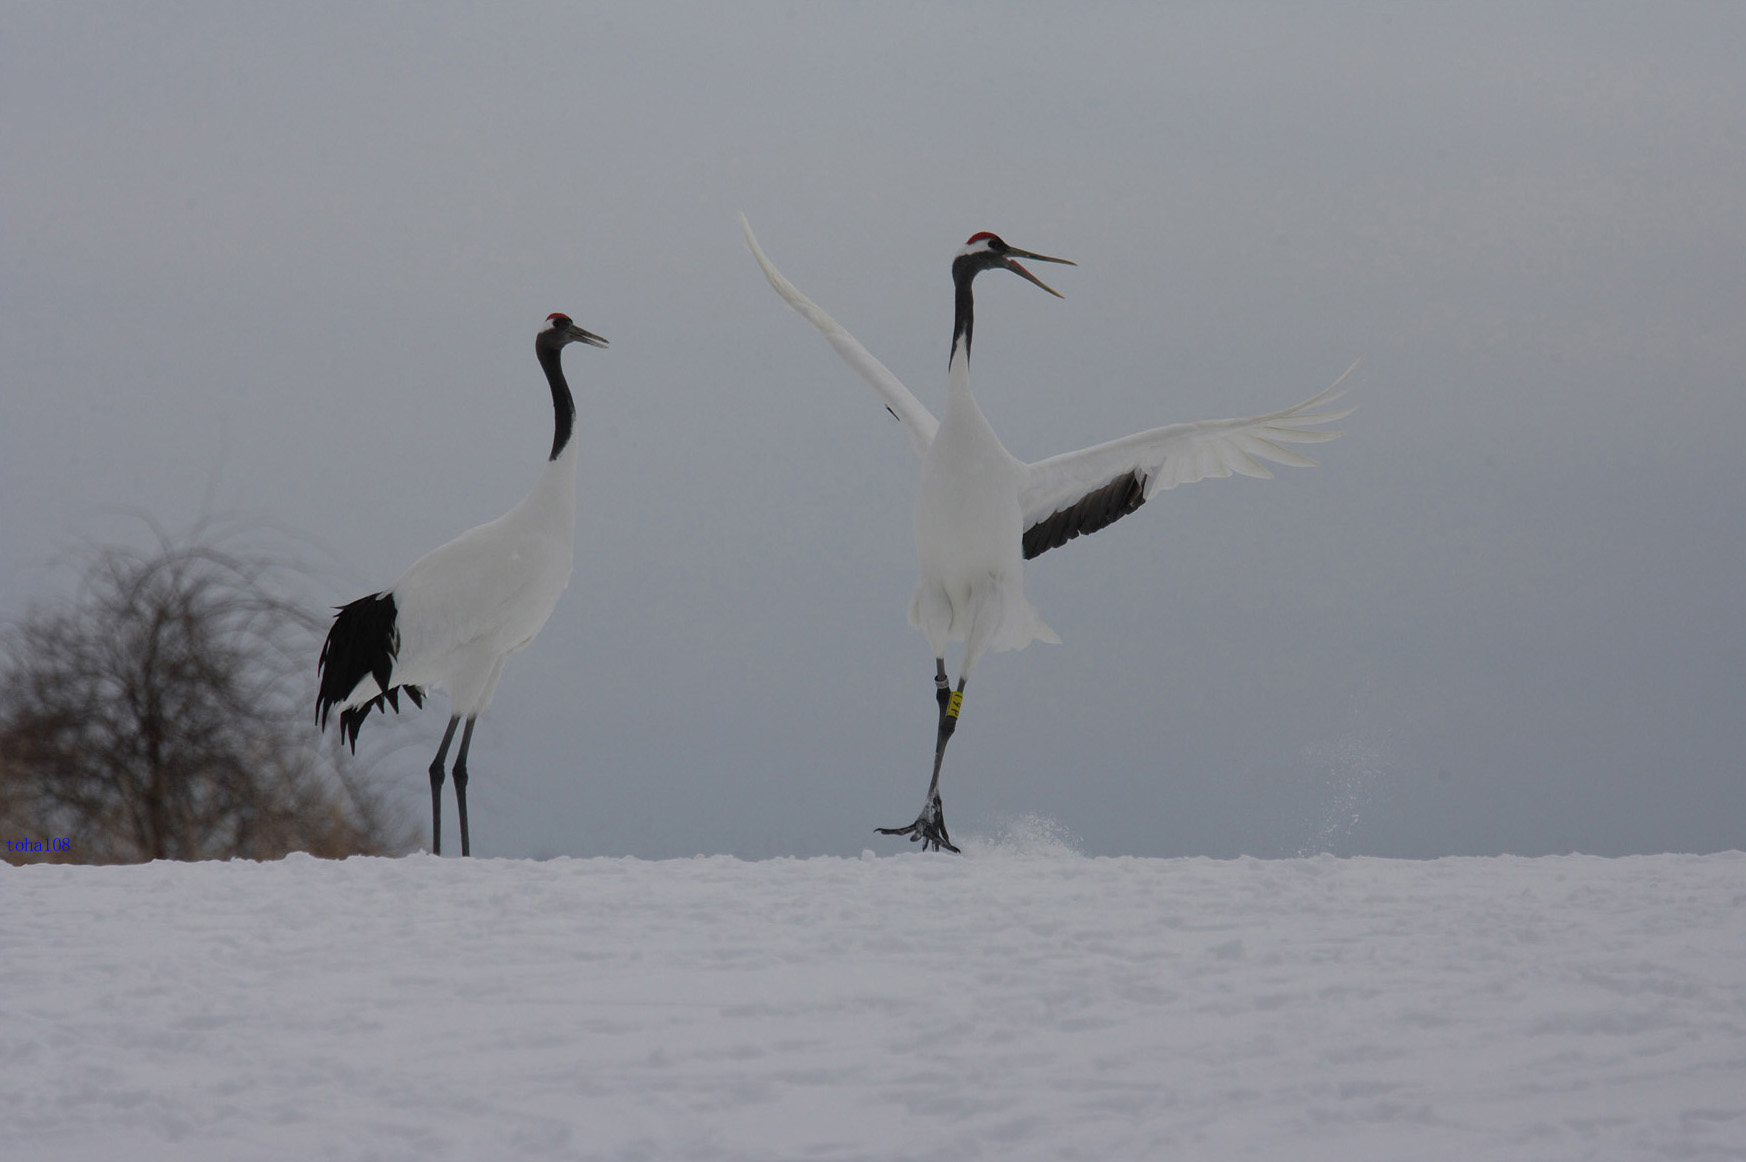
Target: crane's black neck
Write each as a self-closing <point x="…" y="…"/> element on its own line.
<point x="563" y="405"/>
<point x="965" y="268"/>
<point x="964" y="322"/>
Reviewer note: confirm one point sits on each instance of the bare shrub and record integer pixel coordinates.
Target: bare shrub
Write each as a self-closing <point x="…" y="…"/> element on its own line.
<point x="162" y="714"/>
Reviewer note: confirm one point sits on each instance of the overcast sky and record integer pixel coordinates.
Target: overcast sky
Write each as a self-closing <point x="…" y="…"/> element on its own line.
<point x="286" y="263"/>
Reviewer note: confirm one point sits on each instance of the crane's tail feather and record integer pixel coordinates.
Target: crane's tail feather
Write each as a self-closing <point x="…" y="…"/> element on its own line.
<point x="352" y="717"/>
<point x="357" y="657"/>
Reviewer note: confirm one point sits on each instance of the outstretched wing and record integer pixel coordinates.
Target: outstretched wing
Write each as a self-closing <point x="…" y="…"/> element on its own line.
<point x="917" y="420"/>
<point x="1080" y="492"/>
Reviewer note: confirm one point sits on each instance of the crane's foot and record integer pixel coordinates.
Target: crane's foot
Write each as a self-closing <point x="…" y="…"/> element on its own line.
<point x="929" y="829"/>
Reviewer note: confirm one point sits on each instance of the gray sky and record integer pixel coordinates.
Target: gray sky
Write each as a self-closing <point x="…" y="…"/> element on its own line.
<point x="287" y="262"/>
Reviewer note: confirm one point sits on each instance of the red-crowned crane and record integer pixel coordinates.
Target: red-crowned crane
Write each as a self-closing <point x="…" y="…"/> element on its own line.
<point x="453" y="619"/>
<point x="980" y="512"/>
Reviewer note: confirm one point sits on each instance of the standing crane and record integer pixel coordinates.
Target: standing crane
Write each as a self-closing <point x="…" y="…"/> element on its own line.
<point x="980" y="512"/>
<point x="453" y="619"/>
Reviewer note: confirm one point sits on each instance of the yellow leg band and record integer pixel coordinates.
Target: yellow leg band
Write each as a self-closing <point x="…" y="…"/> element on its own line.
<point x="952" y="705"/>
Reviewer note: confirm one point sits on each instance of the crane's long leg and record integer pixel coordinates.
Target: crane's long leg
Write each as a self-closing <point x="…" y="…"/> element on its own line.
<point x="461" y="783"/>
<point x="436" y="785"/>
<point x="929" y="827"/>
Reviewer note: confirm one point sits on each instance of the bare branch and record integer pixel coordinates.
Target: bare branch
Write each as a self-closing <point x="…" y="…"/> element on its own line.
<point x="159" y="714"/>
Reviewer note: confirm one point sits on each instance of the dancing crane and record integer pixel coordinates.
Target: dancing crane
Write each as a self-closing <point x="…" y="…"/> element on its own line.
<point x="980" y="512"/>
<point x="453" y="619"/>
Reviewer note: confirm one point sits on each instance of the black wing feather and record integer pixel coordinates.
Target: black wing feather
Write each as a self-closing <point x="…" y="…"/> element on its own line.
<point x="1095" y="510"/>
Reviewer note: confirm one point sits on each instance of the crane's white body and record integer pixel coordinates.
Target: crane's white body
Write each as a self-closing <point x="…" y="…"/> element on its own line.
<point x="976" y="499"/>
<point x="465" y="606"/>
<point x="968" y="530"/>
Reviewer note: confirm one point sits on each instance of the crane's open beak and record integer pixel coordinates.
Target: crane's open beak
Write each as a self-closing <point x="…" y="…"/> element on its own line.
<point x="1013" y="253"/>
<point x="576" y="334"/>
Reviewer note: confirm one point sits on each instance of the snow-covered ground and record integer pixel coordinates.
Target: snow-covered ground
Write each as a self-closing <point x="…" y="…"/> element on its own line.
<point x="1021" y="1002"/>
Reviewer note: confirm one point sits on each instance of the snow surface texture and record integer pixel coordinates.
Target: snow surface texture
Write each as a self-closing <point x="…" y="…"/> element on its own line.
<point x="1021" y="1003"/>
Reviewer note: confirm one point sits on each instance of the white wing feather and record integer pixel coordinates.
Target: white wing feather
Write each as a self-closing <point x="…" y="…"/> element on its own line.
<point x="1182" y="454"/>
<point x="483" y="589"/>
<point x="917" y="420"/>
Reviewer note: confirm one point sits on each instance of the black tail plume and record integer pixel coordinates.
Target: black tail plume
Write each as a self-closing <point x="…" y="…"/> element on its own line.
<point x="362" y="643"/>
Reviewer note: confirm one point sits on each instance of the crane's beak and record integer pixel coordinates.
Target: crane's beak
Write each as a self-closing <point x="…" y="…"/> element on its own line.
<point x="1013" y="253"/>
<point x="575" y="334"/>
